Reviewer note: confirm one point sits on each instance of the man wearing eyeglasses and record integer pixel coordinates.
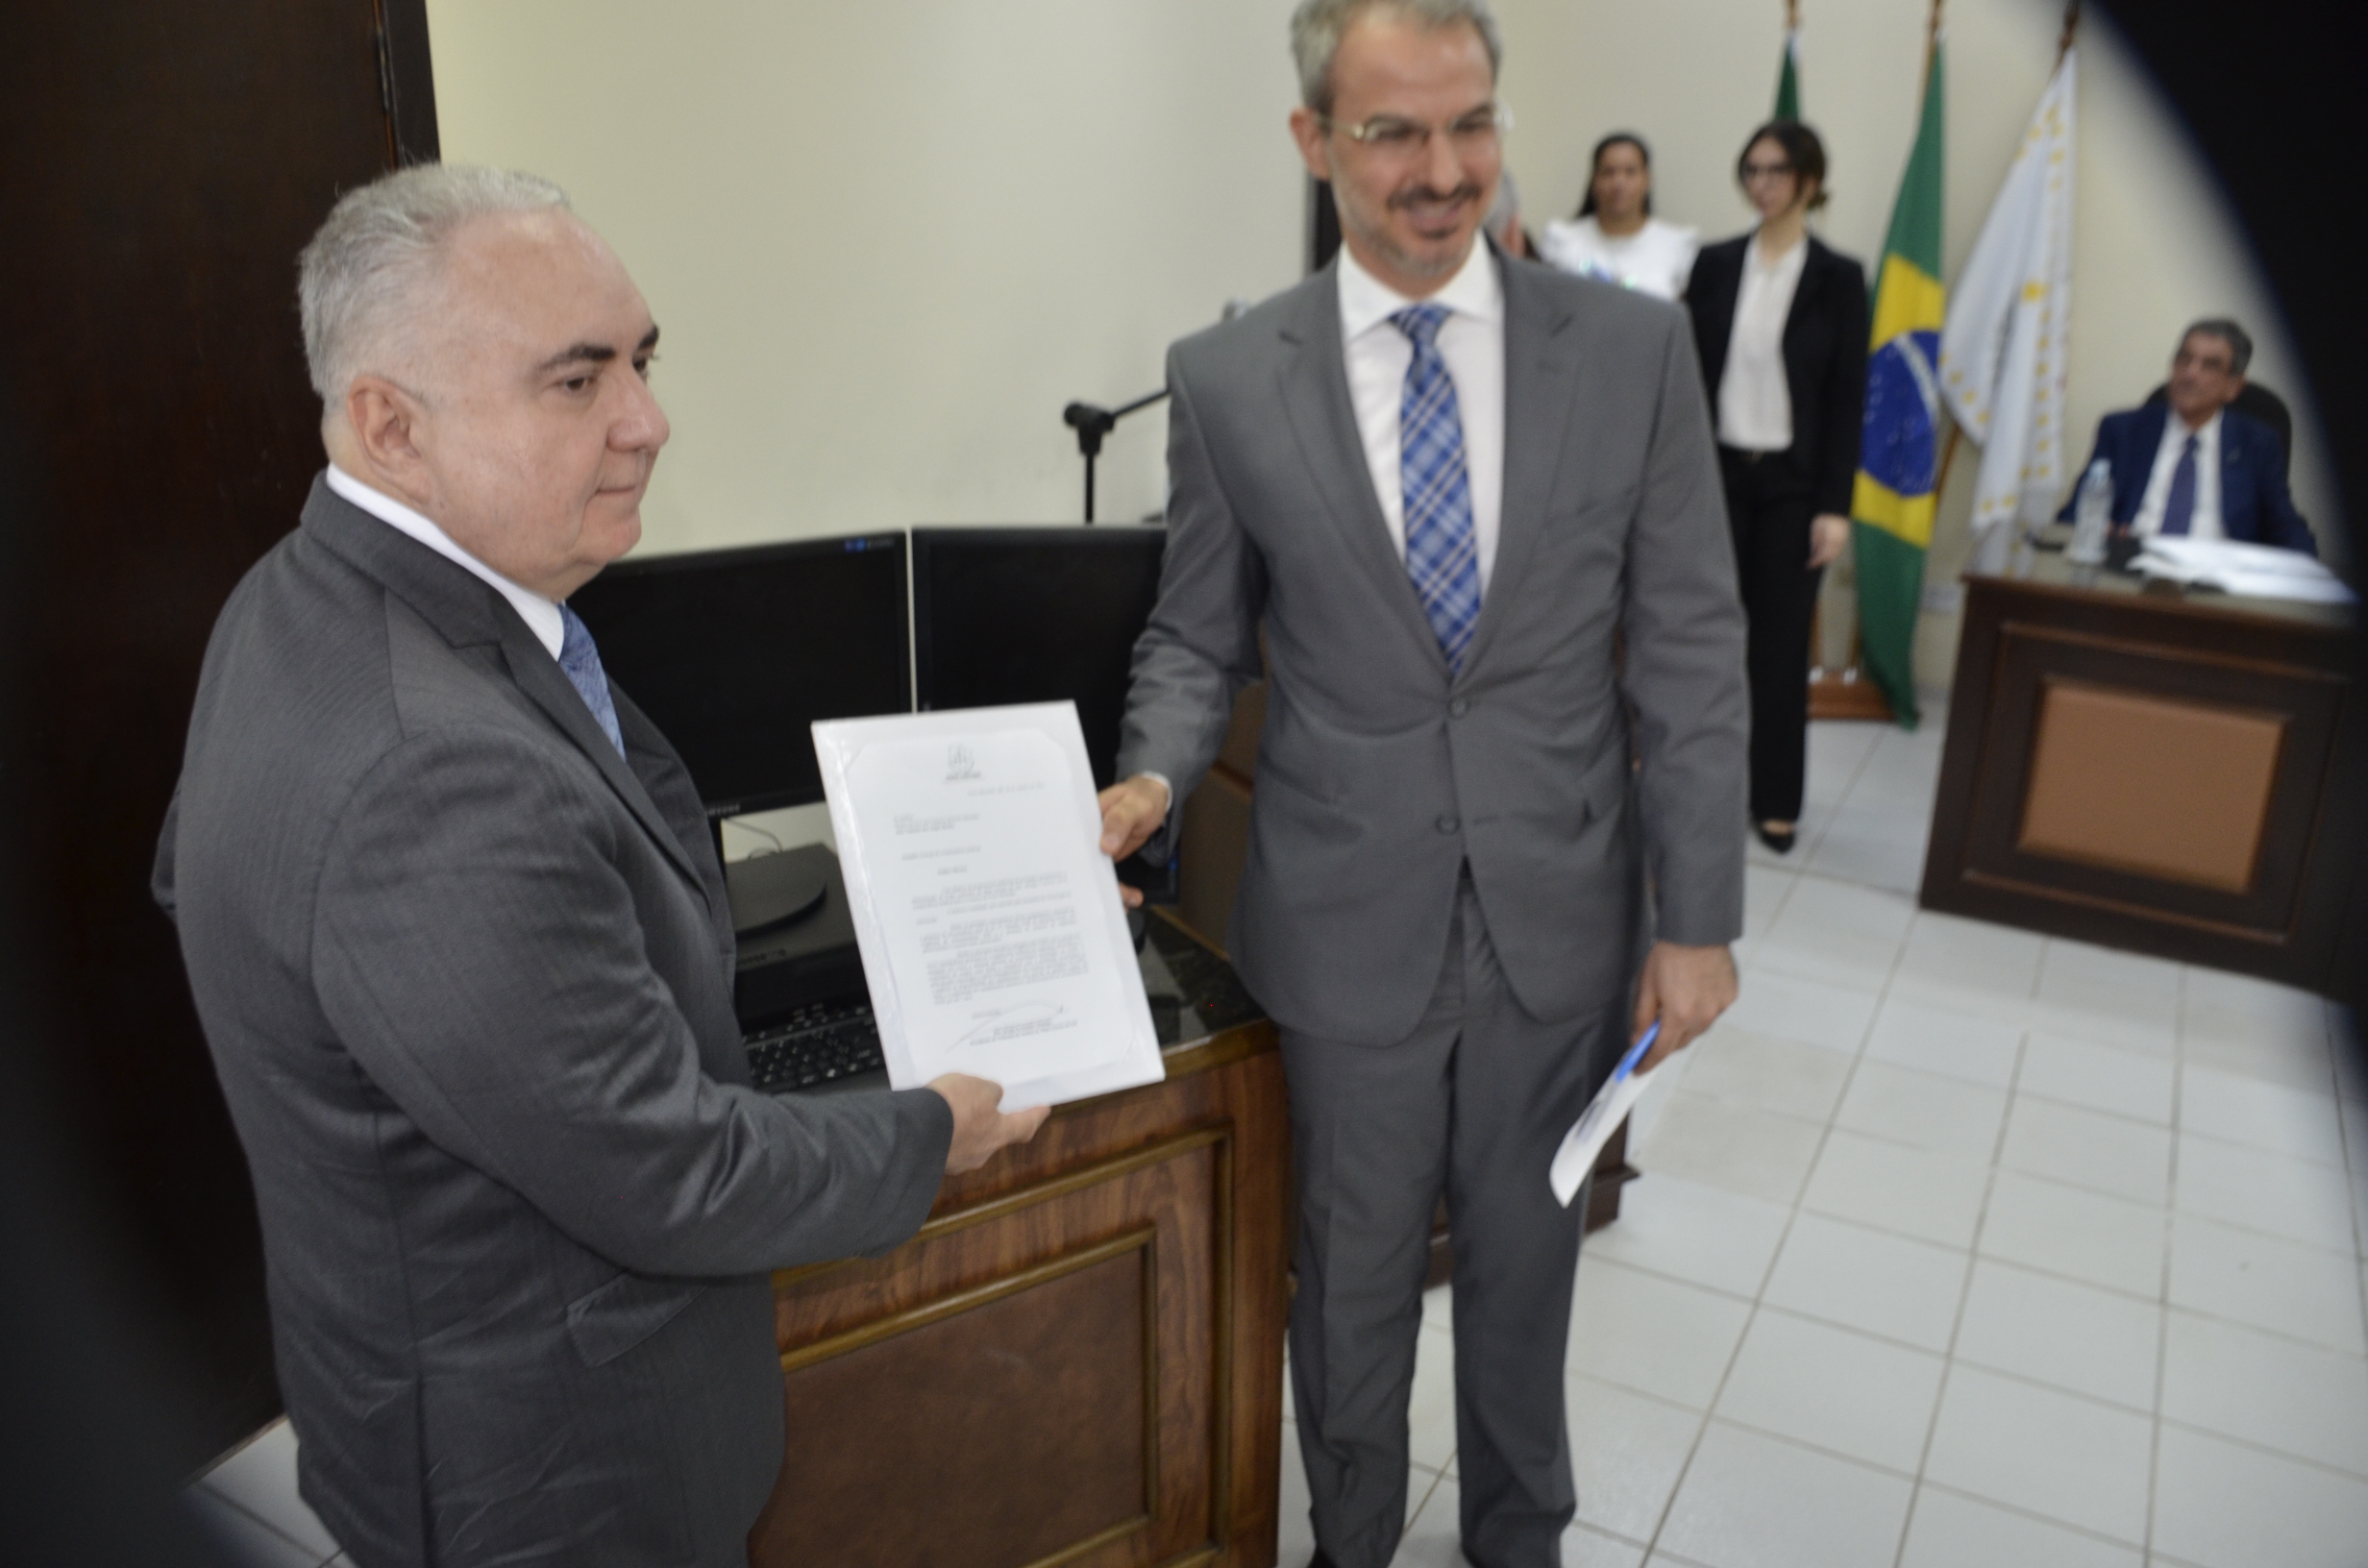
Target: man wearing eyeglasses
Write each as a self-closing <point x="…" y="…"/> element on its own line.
<point x="2192" y="461"/>
<point x="1473" y="504"/>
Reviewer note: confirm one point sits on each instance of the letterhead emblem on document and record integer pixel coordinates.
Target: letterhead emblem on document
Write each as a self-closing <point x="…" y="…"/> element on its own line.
<point x="994" y="939"/>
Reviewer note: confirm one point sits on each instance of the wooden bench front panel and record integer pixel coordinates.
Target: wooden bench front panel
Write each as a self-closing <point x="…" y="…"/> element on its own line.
<point x="1076" y="1363"/>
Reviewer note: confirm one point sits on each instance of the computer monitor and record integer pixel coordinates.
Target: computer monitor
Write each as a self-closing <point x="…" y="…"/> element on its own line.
<point x="735" y="652"/>
<point x="1034" y="615"/>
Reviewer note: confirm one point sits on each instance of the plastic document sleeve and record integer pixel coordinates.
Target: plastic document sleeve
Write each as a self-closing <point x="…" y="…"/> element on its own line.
<point x="993" y="936"/>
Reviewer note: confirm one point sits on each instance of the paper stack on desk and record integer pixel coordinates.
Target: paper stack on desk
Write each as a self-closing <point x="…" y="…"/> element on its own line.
<point x="2234" y="566"/>
<point x="992" y="937"/>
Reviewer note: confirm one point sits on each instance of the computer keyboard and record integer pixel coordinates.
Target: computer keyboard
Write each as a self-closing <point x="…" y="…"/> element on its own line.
<point x="816" y="1045"/>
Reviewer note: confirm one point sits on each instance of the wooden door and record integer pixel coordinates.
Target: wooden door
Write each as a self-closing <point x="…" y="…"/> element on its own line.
<point x="165" y="161"/>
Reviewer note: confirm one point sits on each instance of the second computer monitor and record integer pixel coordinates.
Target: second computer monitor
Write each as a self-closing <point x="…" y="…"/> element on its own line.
<point x="734" y="653"/>
<point x="1034" y="615"/>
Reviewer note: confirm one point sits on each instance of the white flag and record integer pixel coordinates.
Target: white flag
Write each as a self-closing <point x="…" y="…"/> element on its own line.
<point x="2004" y="345"/>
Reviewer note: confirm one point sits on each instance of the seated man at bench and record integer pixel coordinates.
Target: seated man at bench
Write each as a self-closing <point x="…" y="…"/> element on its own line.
<point x="2191" y="464"/>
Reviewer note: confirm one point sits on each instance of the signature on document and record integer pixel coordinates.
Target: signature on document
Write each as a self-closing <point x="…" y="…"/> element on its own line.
<point x="1014" y="1022"/>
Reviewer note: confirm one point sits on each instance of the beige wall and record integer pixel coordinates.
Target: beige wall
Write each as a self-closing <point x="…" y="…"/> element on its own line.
<point x="888" y="241"/>
<point x="2155" y="245"/>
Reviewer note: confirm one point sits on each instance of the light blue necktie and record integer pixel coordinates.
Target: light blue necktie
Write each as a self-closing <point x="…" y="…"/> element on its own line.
<point x="1443" y="556"/>
<point x="2178" y="506"/>
<point x="582" y="663"/>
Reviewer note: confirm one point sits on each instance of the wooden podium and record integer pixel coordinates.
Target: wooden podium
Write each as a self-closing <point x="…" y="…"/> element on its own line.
<point x="2152" y="768"/>
<point x="1079" y="1361"/>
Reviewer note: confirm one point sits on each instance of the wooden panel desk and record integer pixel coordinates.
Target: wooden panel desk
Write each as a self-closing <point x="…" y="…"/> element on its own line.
<point x="1079" y="1361"/>
<point x="2150" y="768"/>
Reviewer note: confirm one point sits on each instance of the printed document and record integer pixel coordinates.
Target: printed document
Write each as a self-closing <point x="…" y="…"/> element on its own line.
<point x="1588" y="1135"/>
<point x="993" y="936"/>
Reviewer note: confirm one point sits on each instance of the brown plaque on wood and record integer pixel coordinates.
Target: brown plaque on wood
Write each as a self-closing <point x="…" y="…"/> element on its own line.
<point x="2147" y="772"/>
<point x="1052" y="1443"/>
<point x="2031" y="658"/>
<point x="1119" y="1281"/>
<point x="2163" y="788"/>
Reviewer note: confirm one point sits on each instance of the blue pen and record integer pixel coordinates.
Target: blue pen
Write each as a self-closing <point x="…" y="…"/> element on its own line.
<point x="1636" y="1052"/>
<point x="1594" y="1113"/>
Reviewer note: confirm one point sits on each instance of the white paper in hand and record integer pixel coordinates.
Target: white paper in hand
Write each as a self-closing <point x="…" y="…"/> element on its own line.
<point x="1593" y="1129"/>
<point x="992" y="937"/>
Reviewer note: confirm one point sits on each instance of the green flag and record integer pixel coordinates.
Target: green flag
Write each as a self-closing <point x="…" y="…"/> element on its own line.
<point x="1789" y="78"/>
<point x="1899" y="450"/>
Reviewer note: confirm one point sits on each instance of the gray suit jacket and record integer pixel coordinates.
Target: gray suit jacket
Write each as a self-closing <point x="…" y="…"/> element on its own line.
<point x="467" y="981"/>
<point x="1379" y="774"/>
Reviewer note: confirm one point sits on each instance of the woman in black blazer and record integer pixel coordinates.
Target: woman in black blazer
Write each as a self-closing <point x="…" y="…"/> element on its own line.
<point x="1788" y="386"/>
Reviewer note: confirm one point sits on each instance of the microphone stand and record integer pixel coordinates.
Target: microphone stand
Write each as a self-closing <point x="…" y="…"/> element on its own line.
<point x="1092" y="424"/>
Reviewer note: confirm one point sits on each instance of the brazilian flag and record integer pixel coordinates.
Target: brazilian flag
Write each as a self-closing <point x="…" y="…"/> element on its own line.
<point x="1891" y="504"/>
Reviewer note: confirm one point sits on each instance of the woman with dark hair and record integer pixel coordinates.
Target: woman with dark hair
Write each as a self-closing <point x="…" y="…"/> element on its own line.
<point x="1616" y="236"/>
<point x="1780" y="321"/>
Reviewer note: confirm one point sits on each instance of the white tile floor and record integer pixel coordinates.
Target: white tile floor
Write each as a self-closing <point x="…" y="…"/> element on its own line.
<point x="250" y="1498"/>
<point x="1958" y="1247"/>
<point x="1961" y="1248"/>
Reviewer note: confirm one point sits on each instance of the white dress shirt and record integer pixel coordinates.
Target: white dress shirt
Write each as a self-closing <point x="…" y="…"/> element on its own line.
<point x="541" y="614"/>
<point x="1656" y="260"/>
<point x="1755" y="405"/>
<point x="2203" y="523"/>
<point x="1472" y="340"/>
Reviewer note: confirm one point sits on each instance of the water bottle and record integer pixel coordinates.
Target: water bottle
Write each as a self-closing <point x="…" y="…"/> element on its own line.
<point x="2093" y="514"/>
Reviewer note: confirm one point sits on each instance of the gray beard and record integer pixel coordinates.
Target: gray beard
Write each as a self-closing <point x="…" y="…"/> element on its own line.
<point x="1411" y="266"/>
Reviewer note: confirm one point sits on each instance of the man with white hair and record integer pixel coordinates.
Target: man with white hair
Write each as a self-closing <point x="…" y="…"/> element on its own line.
<point x="1464" y="511"/>
<point x="462" y="950"/>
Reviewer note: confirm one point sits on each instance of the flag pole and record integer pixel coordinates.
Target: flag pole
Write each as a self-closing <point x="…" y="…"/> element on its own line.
<point x="1851" y="693"/>
<point x="1948" y="456"/>
<point x="1948" y="449"/>
<point x="1788" y="71"/>
<point x="1845" y="693"/>
<point x="2071" y="27"/>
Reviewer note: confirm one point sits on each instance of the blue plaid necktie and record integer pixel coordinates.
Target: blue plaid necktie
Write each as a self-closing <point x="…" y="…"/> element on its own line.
<point x="1443" y="556"/>
<point x="2178" y="506"/>
<point x="582" y="662"/>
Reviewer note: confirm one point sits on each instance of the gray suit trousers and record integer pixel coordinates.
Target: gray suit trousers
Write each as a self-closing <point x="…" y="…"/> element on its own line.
<point x="1473" y="1103"/>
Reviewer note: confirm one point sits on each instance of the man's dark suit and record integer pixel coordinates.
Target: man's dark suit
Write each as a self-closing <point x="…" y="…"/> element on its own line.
<point x="2254" y="504"/>
<point x="466" y="975"/>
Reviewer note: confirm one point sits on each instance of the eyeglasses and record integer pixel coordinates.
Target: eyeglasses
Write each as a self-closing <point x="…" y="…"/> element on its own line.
<point x="1765" y="171"/>
<point x="1389" y="136"/>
